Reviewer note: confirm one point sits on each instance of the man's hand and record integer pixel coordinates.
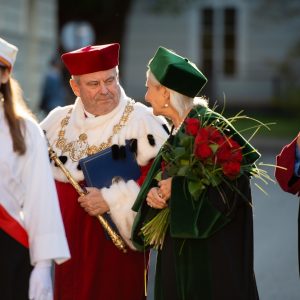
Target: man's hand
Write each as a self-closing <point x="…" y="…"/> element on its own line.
<point x="93" y="203"/>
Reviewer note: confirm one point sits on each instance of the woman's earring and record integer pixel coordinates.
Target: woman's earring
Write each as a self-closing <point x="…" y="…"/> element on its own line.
<point x="166" y="105"/>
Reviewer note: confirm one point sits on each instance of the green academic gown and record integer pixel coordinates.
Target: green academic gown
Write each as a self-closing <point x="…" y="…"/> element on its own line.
<point x="208" y="249"/>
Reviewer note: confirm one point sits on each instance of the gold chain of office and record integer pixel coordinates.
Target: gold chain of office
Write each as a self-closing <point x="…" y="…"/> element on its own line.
<point x="80" y="148"/>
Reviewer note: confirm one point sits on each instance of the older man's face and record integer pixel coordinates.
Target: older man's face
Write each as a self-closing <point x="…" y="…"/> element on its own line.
<point x="99" y="91"/>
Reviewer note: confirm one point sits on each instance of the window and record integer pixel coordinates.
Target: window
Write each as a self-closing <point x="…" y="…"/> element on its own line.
<point x="207" y="40"/>
<point x="229" y="63"/>
<point x="218" y="40"/>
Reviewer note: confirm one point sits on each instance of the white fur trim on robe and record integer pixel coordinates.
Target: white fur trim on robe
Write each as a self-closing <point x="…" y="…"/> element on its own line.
<point x="140" y="124"/>
<point x="120" y="198"/>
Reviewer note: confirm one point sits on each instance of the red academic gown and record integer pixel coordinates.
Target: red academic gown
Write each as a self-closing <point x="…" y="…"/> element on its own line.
<point x="286" y="178"/>
<point x="97" y="270"/>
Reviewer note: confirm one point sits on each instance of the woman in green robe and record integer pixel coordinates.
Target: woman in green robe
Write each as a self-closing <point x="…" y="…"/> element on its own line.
<point x="207" y="251"/>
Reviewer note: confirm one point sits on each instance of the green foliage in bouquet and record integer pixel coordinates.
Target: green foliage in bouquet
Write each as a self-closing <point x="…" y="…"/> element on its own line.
<point x="206" y="154"/>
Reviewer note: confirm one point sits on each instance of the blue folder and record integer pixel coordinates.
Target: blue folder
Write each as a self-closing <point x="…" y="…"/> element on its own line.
<point x="101" y="169"/>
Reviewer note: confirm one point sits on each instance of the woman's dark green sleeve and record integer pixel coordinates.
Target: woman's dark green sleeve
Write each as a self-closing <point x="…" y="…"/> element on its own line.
<point x="144" y="214"/>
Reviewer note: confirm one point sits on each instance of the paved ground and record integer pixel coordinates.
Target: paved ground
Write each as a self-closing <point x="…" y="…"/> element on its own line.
<point x="275" y="235"/>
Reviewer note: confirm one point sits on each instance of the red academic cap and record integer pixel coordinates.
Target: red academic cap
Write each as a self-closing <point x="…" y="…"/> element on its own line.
<point x="92" y="59"/>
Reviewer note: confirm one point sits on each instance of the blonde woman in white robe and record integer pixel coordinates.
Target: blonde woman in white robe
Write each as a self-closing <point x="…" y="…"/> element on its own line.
<point x="31" y="228"/>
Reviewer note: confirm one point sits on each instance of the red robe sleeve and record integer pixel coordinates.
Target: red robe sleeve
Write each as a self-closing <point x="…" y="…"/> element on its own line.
<point x="286" y="177"/>
<point x="144" y="171"/>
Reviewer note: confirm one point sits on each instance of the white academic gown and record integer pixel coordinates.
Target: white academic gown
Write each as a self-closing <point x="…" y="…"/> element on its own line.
<point x="28" y="198"/>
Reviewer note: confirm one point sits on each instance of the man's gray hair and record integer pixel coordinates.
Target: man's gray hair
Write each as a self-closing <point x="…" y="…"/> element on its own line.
<point x="180" y="102"/>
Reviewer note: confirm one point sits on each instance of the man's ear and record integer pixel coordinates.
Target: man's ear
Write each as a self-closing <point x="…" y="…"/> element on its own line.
<point x="74" y="86"/>
<point x="4" y="75"/>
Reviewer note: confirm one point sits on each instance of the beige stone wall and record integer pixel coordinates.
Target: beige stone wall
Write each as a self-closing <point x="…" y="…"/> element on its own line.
<point x="145" y="33"/>
<point x="32" y="26"/>
<point x="262" y="42"/>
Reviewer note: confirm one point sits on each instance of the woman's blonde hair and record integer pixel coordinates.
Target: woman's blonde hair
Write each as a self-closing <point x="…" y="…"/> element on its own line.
<point x="15" y="109"/>
<point x="179" y="101"/>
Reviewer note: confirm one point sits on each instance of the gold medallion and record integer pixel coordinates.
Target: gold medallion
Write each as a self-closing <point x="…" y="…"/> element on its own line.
<point x="80" y="148"/>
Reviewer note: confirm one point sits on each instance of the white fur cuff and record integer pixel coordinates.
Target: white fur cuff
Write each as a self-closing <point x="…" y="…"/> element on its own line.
<point x="120" y="197"/>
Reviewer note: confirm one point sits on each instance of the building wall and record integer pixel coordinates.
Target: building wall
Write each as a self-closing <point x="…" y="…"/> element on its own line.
<point x="31" y="25"/>
<point x="145" y="33"/>
<point x="262" y="42"/>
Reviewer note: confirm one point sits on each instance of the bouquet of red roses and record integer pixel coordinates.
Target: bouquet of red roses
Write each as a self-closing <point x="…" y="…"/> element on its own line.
<point x="206" y="155"/>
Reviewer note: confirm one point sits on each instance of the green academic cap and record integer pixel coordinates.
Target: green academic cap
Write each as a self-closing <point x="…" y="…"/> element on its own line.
<point x="176" y="72"/>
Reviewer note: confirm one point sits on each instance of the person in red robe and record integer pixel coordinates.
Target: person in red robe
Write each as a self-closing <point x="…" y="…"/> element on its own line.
<point x="101" y="117"/>
<point x="287" y="174"/>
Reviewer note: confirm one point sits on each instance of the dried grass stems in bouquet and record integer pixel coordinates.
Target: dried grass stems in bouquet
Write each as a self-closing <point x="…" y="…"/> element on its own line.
<point x="206" y="154"/>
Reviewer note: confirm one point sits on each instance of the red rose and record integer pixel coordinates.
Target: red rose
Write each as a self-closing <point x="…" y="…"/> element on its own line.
<point x="192" y="126"/>
<point x="221" y="141"/>
<point x="202" y="151"/>
<point x="202" y="136"/>
<point x="231" y="169"/>
<point x="230" y="150"/>
<point x="224" y="153"/>
<point x="233" y="144"/>
<point x="215" y="135"/>
<point x="236" y="155"/>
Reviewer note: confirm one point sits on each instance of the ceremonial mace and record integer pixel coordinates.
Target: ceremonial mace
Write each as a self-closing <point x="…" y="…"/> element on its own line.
<point x="116" y="239"/>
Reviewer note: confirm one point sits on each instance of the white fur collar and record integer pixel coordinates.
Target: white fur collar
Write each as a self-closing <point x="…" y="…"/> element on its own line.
<point x="140" y="124"/>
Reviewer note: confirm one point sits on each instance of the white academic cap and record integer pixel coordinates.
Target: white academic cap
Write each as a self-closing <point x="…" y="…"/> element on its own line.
<point x="8" y="53"/>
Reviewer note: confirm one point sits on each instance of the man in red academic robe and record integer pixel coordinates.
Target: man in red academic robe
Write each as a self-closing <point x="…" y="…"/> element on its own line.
<point x="287" y="174"/>
<point x="101" y="117"/>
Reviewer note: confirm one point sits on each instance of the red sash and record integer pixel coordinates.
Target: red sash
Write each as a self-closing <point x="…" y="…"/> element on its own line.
<point x="9" y="225"/>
